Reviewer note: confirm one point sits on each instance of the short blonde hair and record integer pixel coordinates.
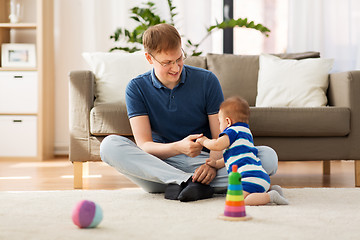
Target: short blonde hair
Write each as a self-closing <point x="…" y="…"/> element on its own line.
<point x="161" y="37"/>
<point x="236" y="108"/>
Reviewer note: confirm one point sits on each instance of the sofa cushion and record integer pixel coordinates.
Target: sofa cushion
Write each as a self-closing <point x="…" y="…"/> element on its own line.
<point x="292" y="83"/>
<point x="298" y="56"/>
<point x="113" y="71"/>
<point x="109" y="118"/>
<point x="196" y="61"/>
<point x="300" y="122"/>
<point x="238" y="74"/>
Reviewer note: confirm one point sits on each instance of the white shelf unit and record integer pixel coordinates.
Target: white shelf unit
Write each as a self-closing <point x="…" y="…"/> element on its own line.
<point x="27" y="94"/>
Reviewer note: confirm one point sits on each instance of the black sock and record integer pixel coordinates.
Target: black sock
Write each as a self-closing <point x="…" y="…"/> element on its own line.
<point x="196" y="191"/>
<point x="173" y="190"/>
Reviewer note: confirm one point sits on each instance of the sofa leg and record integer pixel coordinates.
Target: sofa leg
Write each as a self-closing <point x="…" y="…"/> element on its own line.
<point x="80" y="169"/>
<point x="326" y="167"/>
<point x="357" y="173"/>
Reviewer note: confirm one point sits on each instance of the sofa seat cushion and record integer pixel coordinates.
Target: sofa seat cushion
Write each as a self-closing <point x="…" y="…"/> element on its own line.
<point x="300" y="122"/>
<point x="109" y="118"/>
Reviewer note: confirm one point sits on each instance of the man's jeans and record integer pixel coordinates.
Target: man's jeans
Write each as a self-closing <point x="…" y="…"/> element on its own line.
<point x="153" y="174"/>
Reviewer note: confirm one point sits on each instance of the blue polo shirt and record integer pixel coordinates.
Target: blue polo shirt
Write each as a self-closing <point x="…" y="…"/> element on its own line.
<point x="175" y="113"/>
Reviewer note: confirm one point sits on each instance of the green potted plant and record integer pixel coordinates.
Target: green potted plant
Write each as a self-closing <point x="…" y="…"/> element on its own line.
<point x="145" y="16"/>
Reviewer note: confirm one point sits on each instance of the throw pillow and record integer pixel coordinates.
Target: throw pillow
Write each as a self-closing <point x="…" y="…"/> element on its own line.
<point x="113" y="71"/>
<point x="292" y="83"/>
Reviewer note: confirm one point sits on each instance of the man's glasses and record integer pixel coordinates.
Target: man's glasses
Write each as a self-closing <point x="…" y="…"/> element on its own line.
<point x="170" y="63"/>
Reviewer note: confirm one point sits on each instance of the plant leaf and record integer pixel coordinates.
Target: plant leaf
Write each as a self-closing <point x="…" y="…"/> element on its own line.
<point x="241" y="22"/>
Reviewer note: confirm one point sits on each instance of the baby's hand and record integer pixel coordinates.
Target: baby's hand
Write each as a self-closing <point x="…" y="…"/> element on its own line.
<point x="211" y="162"/>
<point x="201" y="140"/>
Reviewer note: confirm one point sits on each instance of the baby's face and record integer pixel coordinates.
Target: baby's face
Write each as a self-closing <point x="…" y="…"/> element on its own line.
<point x="223" y="123"/>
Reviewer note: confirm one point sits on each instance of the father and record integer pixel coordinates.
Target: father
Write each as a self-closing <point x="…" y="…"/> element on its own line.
<point x="169" y="108"/>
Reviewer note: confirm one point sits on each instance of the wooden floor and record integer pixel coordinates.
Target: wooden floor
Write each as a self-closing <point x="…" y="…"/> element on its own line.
<point x="57" y="174"/>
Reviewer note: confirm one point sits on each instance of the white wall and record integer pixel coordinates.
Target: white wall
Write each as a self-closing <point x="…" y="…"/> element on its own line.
<point x="86" y="25"/>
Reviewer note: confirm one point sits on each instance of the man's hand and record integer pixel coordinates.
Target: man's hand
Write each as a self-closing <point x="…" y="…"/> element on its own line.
<point x="189" y="146"/>
<point x="204" y="174"/>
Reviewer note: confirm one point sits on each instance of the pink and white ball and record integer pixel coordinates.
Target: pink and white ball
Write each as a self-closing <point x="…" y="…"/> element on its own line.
<point x="87" y="214"/>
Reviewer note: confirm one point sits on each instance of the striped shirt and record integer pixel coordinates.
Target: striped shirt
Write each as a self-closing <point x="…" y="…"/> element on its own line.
<point x="243" y="153"/>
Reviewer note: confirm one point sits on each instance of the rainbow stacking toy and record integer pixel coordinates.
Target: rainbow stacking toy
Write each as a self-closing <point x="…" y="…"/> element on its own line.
<point x="235" y="205"/>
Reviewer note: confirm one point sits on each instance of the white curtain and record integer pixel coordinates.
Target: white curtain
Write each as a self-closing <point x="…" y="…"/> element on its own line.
<point x="91" y="22"/>
<point x="328" y="26"/>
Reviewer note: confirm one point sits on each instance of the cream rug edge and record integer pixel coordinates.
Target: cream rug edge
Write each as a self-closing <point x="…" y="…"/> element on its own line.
<point x="313" y="213"/>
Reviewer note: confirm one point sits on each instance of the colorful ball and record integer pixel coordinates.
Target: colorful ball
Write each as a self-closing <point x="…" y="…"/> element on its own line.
<point x="87" y="214"/>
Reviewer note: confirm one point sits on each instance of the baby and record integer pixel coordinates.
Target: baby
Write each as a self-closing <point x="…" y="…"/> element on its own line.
<point x="237" y="143"/>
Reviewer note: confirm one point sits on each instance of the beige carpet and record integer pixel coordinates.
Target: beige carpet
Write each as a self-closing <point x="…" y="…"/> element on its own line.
<point x="314" y="213"/>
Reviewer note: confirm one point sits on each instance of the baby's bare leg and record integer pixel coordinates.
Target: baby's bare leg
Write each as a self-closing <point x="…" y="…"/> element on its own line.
<point x="255" y="199"/>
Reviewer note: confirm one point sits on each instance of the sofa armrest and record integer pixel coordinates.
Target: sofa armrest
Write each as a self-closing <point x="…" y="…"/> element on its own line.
<point x="344" y="91"/>
<point x="81" y="101"/>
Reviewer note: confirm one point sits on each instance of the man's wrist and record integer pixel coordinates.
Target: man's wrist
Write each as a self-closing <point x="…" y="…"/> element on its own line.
<point x="212" y="166"/>
<point x="175" y="147"/>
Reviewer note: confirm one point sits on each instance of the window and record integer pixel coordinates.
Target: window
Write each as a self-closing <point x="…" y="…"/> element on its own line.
<point x="271" y="13"/>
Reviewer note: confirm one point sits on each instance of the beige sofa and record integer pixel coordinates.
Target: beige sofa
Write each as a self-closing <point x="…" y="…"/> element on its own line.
<point x="316" y="133"/>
